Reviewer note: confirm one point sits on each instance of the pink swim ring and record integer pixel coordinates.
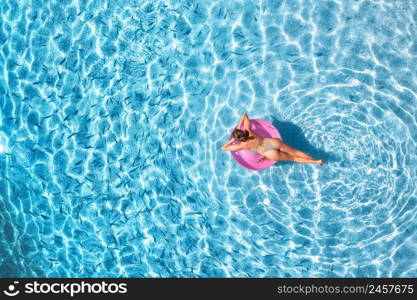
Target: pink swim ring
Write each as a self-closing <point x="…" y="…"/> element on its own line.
<point x="248" y="159"/>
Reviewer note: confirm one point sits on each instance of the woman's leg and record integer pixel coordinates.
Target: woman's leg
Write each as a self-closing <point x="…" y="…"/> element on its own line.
<point x="278" y="155"/>
<point x="290" y="150"/>
<point x="303" y="160"/>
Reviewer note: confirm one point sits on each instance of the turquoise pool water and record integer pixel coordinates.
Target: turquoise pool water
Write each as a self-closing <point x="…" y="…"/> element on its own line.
<point x="113" y="114"/>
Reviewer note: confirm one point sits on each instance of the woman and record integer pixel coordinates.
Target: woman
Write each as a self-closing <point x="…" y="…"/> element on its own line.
<point x="269" y="148"/>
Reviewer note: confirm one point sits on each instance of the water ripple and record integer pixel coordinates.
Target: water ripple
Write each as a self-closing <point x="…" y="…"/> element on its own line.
<point x="112" y="114"/>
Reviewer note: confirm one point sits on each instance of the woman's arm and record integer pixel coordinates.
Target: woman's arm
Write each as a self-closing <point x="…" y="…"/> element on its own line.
<point x="228" y="143"/>
<point x="246" y="123"/>
<point x="229" y="147"/>
<point x="241" y="121"/>
<point x="232" y="147"/>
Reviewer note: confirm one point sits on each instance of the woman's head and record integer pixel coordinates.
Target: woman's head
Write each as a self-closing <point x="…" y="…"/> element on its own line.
<point x="241" y="135"/>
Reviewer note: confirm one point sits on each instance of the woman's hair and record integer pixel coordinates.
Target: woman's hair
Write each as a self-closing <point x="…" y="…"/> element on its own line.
<point x="241" y="135"/>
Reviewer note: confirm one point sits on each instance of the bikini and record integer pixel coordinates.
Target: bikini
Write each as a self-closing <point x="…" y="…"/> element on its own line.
<point x="268" y="146"/>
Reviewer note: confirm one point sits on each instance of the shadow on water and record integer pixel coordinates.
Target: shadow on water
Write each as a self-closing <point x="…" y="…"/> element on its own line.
<point x="293" y="135"/>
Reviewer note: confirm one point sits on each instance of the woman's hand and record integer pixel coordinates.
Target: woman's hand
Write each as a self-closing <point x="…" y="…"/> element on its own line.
<point x="231" y="140"/>
<point x="261" y="159"/>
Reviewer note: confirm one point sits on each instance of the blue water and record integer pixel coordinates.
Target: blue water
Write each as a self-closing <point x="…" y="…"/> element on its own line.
<point x="113" y="114"/>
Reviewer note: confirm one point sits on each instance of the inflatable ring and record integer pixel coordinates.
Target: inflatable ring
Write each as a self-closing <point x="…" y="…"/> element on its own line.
<point x="248" y="159"/>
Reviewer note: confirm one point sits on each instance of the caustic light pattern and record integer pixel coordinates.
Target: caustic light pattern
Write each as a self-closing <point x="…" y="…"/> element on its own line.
<point x="113" y="114"/>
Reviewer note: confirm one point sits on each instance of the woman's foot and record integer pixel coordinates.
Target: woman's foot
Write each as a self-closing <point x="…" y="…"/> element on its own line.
<point x="320" y="162"/>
